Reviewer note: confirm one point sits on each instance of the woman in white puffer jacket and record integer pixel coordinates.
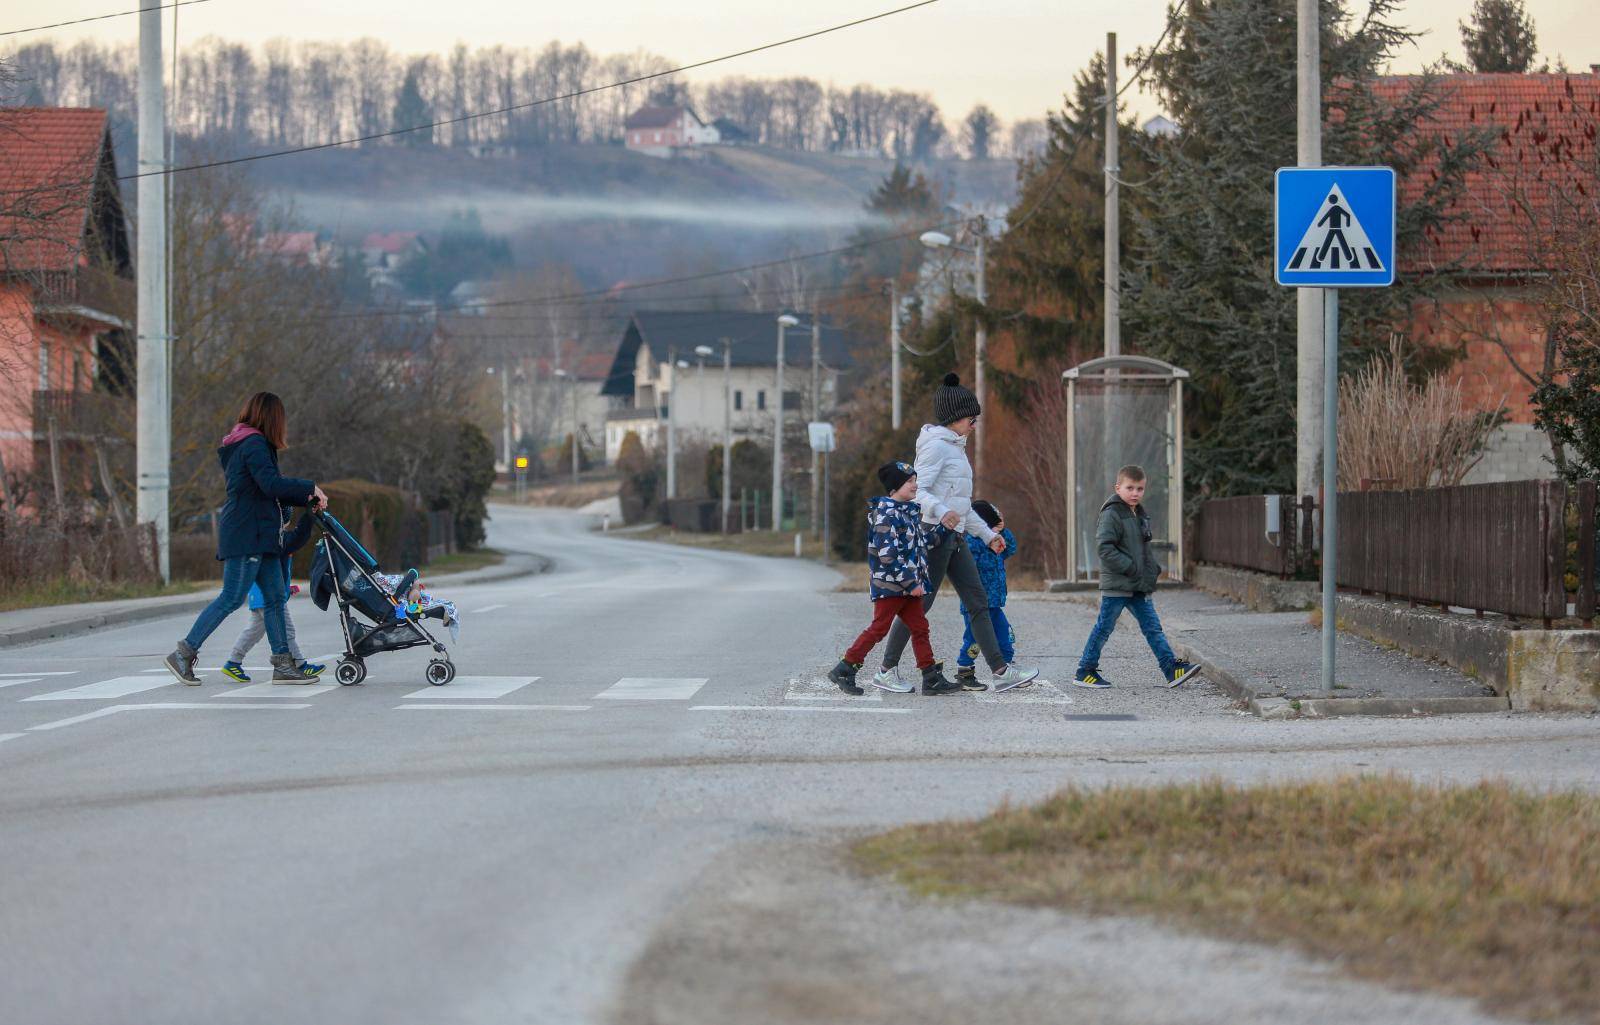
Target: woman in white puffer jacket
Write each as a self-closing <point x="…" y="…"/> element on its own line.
<point x="944" y="491"/>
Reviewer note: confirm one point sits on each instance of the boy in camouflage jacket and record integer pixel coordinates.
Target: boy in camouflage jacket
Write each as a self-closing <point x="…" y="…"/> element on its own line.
<point x="897" y="556"/>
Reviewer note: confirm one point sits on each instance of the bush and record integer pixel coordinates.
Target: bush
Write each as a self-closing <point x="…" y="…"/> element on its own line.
<point x="460" y="483"/>
<point x="752" y="468"/>
<point x="386" y="520"/>
<point x="640" y="479"/>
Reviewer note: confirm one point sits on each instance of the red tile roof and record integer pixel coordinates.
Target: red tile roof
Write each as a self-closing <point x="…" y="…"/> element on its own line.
<point x="1544" y="134"/>
<point x="390" y="241"/>
<point x="654" y="117"/>
<point x="48" y="160"/>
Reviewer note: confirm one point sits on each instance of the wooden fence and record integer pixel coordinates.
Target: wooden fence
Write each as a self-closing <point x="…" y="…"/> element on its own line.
<point x="1522" y="548"/>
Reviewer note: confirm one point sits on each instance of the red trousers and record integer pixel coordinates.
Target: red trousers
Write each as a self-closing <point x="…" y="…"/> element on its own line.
<point x="884" y="610"/>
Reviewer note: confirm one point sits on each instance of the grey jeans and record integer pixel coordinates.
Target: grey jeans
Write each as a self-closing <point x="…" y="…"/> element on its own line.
<point x="951" y="557"/>
<point x="256" y="629"/>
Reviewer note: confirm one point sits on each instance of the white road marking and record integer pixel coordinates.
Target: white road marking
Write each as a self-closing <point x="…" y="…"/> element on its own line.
<point x="652" y="689"/>
<point x="41" y="672"/>
<point x="819" y="689"/>
<point x="154" y="706"/>
<point x="799" y="708"/>
<point x="117" y="687"/>
<point x="13" y="683"/>
<point x="475" y="688"/>
<point x="493" y="708"/>
<point x="487" y="608"/>
<point x="276" y="690"/>
<point x="10" y="736"/>
<point x="841" y="696"/>
<point x="1039" y="692"/>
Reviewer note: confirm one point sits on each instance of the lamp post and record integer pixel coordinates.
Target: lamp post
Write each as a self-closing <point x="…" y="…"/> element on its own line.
<point x="727" y="426"/>
<point x="894" y="353"/>
<point x="674" y="364"/>
<point x="980" y="256"/>
<point x="572" y="389"/>
<point x="785" y="322"/>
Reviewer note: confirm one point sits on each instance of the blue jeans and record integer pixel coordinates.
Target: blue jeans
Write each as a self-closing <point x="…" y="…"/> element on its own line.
<point x="1144" y="610"/>
<point x="238" y="574"/>
<point x="1002" y="633"/>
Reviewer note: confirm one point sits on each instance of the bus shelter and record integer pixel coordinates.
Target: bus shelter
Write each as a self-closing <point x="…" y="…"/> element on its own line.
<point x="1121" y="410"/>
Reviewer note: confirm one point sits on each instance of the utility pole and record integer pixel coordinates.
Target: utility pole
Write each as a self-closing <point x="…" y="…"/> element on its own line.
<point x="505" y="410"/>
<point x="980" y="341"/>
<point x="572" y="386"/>
<point x="1113" y="170"/>
<point x="727" y="431"/>
<point x="1309" y="302"/>
<point x="154" y="416"/>
<point x="784" y="323"/>
<point x="894" y="351"/>
<point x="816" y="414"/>
<point x="672" y="424"/>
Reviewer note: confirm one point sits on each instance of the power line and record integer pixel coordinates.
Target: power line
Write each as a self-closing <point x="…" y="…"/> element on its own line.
<point x="100" y="17"/>
<point x="532" y="103"/>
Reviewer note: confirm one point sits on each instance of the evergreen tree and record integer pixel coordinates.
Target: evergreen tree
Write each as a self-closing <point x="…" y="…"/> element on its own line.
<point x="978" y="131"/>
<point x="1499" y="37"/>
<point x="1199" y="289"/>
<point x="411" y="109"/>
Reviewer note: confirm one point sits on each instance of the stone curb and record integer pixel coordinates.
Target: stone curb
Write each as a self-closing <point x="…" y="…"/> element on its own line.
<point x="517" y="564"/>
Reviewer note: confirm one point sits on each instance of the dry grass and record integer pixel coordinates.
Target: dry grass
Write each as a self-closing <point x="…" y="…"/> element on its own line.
<point x="563" y="494"/>
<point x="68" y="591"/>
<point x="462" y="562"/>
<point x="752" y="542"/>
<point x="1486" y="892"/>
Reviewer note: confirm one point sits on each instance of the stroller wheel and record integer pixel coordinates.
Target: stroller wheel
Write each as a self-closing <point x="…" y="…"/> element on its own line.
<point x="350" y="671"/>
<point x="440" y="672"/>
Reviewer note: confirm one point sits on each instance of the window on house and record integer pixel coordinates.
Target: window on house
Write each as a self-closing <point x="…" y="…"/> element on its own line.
<point x="738" y="400"/>
<point x="791" y="400"/>
<point x="761" y="400"/>
<point x="44" y="366"/>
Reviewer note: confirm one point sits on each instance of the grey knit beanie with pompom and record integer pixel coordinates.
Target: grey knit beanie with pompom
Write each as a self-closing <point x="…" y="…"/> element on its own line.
<point x="953" y="402"/>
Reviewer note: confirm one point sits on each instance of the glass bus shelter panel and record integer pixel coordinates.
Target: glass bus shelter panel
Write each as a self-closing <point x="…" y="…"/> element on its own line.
<point x="1116" y="424"/>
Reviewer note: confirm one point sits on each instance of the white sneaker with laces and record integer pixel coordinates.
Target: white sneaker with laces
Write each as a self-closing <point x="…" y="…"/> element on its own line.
<point x="888" y="678"/>
<point x="1011" y="676"/>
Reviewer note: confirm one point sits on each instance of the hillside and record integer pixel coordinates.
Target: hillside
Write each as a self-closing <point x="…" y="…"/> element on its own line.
<point x="609" y="212"/>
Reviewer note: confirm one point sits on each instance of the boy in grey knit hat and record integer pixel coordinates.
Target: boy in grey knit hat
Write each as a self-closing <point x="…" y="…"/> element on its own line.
<point x="944" y="492"/>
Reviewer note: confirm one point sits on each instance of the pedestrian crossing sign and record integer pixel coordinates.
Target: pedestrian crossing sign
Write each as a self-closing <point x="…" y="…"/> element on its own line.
<point x="1335" y="227"/>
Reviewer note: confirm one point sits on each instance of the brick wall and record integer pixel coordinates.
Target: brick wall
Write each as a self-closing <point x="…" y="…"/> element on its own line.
<point x="1470" y="322"/>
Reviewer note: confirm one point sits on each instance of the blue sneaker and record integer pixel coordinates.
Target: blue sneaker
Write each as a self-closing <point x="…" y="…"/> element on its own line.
<point x="235" y="671"/>
<point x="1091" y="679"/>
<point x="312" y="668"/>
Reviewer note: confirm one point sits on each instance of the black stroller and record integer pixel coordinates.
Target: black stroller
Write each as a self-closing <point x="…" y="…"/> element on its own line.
<point x="342" y="571"/>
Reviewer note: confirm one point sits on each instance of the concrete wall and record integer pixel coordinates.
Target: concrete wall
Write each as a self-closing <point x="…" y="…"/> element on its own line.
<point x="1258" y="591"/>
<point x="1514" y="452"/>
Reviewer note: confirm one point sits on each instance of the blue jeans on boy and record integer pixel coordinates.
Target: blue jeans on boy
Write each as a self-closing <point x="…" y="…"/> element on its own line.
<point x="238" y="573"/>
<point x="1144" y="610"/>
<point x="1002" y="633"/>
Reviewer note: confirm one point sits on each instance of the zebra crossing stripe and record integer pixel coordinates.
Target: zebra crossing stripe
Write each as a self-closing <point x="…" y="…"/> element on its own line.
<point x="117" y="687"/>
<point x="652" y="689"/>
<point x="474" y="688"/>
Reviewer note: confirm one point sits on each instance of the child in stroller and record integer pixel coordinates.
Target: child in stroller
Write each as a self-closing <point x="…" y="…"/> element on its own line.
<point x="344" y="572"/>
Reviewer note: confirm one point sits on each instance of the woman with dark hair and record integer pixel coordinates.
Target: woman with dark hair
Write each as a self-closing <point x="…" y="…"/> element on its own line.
<point x="251" y="535"/>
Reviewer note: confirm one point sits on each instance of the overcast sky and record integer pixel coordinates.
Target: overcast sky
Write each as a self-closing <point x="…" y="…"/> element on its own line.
<point x="1018" y="56"/>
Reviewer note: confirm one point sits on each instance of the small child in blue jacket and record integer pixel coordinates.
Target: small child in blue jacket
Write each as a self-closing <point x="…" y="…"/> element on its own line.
<point x="257" y="627"/>
<point x="992" y="571"/>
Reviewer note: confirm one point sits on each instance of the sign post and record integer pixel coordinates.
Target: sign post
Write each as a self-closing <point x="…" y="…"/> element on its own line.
<point x="823" y="441"/>
<point x="522" y="477"/>
<point x="1334" y="229"/>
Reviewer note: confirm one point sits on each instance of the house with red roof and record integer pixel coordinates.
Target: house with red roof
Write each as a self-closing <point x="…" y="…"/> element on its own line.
<point x="658" y="131"/>
<point x="66" y="296"/>
<point x="1542" y="133"/>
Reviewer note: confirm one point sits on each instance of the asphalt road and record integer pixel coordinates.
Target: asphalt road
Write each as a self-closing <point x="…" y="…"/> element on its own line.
<point x="521" y="845"/>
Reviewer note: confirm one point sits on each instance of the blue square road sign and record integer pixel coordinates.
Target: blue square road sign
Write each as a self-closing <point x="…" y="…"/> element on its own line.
<point x="1334" y="227"/>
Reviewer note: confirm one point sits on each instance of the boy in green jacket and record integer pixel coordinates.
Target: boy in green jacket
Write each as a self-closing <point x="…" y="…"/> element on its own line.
<point x="1128" y="572"/>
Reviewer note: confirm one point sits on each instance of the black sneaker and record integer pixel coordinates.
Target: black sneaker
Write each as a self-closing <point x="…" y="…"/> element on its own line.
<point x="935" y="682"/>
<point x="1091" y="679"/>
<point x="181" y="664"/>
<point x="967" y="676"/>
<point x="844" y="675"/>
<point x="1180" y="672"/>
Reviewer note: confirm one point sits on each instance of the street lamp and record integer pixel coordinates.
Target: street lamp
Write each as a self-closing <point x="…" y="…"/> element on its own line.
<point x="939" y="240"/>
<point x="785" y="322"/>
<point x="674" y="365"/>
<point x="572" y="388"/>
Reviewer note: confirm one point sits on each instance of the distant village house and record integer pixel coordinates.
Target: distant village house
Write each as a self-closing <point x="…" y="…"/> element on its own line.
<point x="658" y="131"/>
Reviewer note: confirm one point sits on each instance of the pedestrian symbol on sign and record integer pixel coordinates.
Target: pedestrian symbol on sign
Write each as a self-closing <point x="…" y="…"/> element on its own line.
<point x="1335" y="241"/>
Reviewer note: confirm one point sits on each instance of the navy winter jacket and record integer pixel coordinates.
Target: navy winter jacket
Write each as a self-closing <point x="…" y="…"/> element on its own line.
<point x="253" y="517"/>
<point x="897" y="550"/>
<point x="992" y="567"/>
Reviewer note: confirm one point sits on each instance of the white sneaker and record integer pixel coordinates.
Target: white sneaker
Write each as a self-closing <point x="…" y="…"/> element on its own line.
<point x="1011" y="676"/>
<point x="888" y="678"/>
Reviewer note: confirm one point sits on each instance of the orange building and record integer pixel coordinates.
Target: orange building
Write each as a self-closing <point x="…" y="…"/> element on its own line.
<point x="1541" y="130"/>
<point x="66" y="300"/>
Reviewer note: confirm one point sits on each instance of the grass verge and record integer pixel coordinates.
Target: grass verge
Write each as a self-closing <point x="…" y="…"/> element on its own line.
<point x="752" y="542"/>
<point x="63" y="591"/>
<point x="462" y="562"/>
<point x="1486" y="892"/>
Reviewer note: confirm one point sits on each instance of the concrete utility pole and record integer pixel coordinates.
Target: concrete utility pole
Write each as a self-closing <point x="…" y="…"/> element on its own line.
<point x="505" y="410"/>
<point x="980" y="342"/>
<point x="727" y="431"/>
<point x="1113" y="170"/>
<point x="672" y="424"/>
<point x="1309" y="301"/>
<point x="785" y="322"/>
<point x="154" y="427"/>
<point x="894" y="352"/>
<point x="572" y="386"/>
<point x="816" y="414"/>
